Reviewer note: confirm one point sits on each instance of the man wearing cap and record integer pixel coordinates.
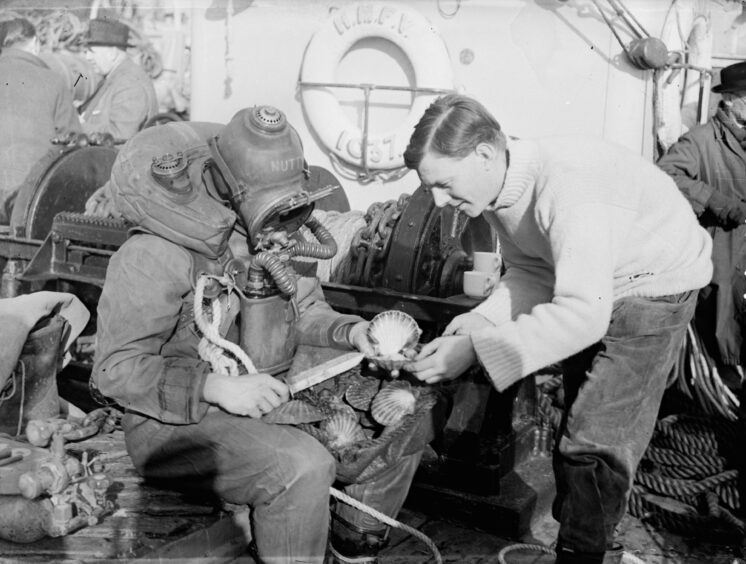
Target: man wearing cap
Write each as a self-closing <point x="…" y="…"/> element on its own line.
<point x="708" y="164"/>
<point x="125" y="99"/>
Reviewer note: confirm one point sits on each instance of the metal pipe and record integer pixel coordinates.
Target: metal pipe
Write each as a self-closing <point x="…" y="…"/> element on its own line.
<point x="628" y="15"/>
<point x="91" y="250"/>
<point x="377" y="87"/>
<point x="366" y="107"/>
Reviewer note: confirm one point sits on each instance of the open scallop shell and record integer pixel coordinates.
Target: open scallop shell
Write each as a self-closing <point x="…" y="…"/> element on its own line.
<point x="361" y="393"/>
<point x="293" y="412"/>
<point x="393" y="403"/>
<point x="393" y="331"/>
<point x="342" y="429"/>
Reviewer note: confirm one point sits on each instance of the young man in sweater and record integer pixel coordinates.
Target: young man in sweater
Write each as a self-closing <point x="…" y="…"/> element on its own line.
<point x="603" y="258"/>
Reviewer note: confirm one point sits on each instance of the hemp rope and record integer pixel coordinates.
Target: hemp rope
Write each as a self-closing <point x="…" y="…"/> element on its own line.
<point x="210" y="330"/>
<point x="683" y="453"/>
<point x="215" y="348"/>
<point x="627" y="558"/>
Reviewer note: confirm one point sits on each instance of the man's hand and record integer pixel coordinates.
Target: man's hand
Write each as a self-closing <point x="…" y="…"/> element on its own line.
<point x="442" y="359"/>
<point x="467" y="323"/>
<point x="251" y="395"/>
<point x="359" y="338"/>
<point x="730" y="212"/>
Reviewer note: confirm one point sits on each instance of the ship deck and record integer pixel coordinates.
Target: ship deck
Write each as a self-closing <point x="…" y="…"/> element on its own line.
<point x="154" y="525"/>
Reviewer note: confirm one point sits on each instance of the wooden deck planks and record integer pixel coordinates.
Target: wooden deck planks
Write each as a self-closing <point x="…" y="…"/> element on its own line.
<point x="148" y="524"/>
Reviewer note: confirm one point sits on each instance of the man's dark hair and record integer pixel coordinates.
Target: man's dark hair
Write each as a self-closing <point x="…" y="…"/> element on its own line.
<point x="15" y="31"/>
<point x="452" y="126"/>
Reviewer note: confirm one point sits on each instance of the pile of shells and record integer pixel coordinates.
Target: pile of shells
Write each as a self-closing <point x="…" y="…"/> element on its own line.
<point x="351" y="417"/>
<point x="347" y="411"/>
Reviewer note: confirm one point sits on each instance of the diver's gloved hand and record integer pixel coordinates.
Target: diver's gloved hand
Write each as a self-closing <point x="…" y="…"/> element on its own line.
<point x="730" y="212"/>
<point x="251" y="395"/>
<point x="467" y="323"/>
<point x="358" y="338"/>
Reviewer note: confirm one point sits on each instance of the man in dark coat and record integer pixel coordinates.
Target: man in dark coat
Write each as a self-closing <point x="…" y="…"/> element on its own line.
<point x="35" y="107"/>
<point x="126" y="99"/>
<point x="709" y="166"/>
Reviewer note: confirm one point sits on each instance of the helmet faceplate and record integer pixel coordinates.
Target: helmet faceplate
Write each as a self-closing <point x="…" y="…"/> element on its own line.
<point x="260" y="156"/>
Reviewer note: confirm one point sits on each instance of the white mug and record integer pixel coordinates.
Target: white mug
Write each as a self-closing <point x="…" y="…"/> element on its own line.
<point x="486" y="262"/>
<point x="479" y="284"/>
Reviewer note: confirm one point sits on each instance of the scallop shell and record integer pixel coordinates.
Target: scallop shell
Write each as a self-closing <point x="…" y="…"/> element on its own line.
<point x="367" y="422"/>
<point x="331" y="404"/>
<point x="393" y="331"/>
<point x="342" y="429"/>
<point x="392" y="403"/>
<point x="361" y="393"/>
<point x="293" y="412"/>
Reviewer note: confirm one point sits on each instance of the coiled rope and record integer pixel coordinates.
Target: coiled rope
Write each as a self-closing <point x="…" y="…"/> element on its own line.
<point x="216" y="344"/>
<point x="627" y="558"/>
<point x="213" y="351"/>
<point x="524" y="547"/>
<point x="683" y="483"/>
<point x="699" y="380"/>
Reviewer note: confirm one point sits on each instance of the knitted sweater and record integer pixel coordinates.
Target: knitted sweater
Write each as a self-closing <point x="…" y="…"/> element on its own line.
<point x="581" y="224"/>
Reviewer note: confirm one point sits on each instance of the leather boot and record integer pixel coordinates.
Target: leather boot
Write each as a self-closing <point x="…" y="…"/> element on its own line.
<point x="31" y="390"/>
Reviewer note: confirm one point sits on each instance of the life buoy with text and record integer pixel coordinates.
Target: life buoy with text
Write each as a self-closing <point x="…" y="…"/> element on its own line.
<point x="421" y="44"/>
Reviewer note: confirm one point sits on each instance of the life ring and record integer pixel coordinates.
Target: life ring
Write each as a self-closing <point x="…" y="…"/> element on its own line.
<point x="419" y="41"/>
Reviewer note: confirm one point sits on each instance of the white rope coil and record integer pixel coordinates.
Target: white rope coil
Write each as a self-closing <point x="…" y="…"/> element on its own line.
<point x="627" y="558"/>
<point x="216" y="345"/>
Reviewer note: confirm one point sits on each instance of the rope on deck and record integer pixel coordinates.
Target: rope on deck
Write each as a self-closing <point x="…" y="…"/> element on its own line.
<point x="627" y="558"/>
<point x="684" y="482"/>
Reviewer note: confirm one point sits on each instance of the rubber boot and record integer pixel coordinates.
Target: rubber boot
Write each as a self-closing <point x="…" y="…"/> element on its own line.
<point x="350" y="544"/>
<point x="613" y="555"/>
<point x="31" y="391"/>
<point x="570" y="556"/>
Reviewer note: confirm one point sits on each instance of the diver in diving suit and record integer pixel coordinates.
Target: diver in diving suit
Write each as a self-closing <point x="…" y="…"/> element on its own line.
<point x="197" y="193"/>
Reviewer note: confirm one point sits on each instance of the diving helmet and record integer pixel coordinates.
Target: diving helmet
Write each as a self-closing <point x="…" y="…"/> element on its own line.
<point x="157" y="184"/>
<point x="260" y="156"/>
